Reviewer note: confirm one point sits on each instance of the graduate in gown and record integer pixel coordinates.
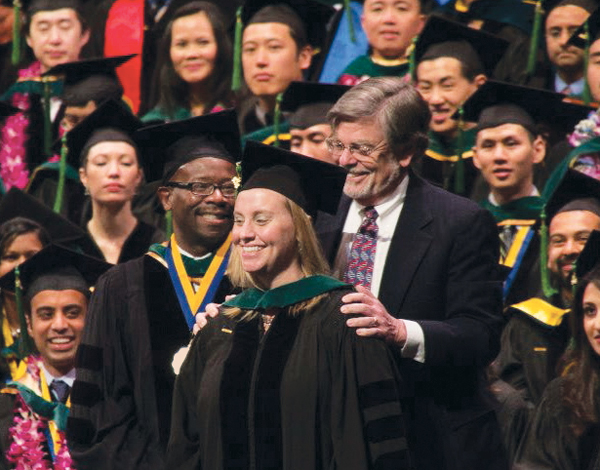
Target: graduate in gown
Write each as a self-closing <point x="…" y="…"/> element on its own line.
<point x="565" y="430"/>
<point x="278" y="381"/>
<point x="142" y="311"/>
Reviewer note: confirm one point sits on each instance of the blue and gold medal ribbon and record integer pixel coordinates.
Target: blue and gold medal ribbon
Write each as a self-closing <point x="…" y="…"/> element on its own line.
<point x="193" y="302"/>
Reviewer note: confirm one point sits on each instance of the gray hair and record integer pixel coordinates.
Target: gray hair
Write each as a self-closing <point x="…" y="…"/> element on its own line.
<point x="395" y="105"/>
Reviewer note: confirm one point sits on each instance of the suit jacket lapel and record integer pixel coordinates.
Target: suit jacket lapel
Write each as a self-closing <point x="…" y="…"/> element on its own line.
<point x="410" y="242"/>
<point x="329" y="228"/>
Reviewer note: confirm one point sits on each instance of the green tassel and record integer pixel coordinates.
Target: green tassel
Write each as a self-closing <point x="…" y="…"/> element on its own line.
<point x="412" y="59"/>
<point x="169" y="224"/>
<point x="47" y="119"/>
<point x="350" y="22"/>
<point x="25" y="343"/>
<point x="236" y="79"/>
<point x="535" y="38"/>
<point x="62" y="175"/>
<point x="16" y="39"/>
<point x="586" y="95"/>
<point x="459" y="173"/>
<point x="277" y="118"/>
<point x="549" y="291"/>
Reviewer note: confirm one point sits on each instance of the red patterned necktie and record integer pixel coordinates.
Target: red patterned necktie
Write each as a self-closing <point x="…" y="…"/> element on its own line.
<point x="362" y="254"/>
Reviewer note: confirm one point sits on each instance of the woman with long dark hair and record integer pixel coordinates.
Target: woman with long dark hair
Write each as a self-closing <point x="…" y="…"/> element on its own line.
<point x="193" y="75"/>
<point x="565" y="431"/>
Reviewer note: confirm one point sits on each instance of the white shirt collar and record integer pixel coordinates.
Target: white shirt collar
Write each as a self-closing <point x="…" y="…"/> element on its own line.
<point x="534" y="192"/>
<point x="68" y="378"/>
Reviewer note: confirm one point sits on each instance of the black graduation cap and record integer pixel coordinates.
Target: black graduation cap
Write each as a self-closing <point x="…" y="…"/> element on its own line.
<point x="576" y="191"/>
<point x="34" y="6"/>
<point x="312" y="184"/>
<point x="80" y="69"/>
<point x="580" y="37"/>
<point x="589" y="257"/>
<point x="310" y="102"/>
<point x="56" y="268"/>
<point x="314" y="15"/>
<point x="110" y="116"/>
<point x="166" y="147"/>
<point x="496" y="103"/>
<point x="587" y="5"/>
<point x="16" y="203"/>
<point x="438" y="31"/>
<point x="7" y="110"/>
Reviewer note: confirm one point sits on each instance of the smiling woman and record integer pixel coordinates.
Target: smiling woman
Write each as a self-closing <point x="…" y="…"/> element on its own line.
<point x="194" y="65"/>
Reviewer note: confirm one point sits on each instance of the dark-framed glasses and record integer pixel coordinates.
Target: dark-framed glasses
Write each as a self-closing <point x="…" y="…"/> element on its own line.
<point x="336" y="148"/>
<point x="198" y="188"/>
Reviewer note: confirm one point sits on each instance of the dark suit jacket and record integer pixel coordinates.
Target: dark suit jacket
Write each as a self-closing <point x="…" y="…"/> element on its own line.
<point x="442" y="271"/>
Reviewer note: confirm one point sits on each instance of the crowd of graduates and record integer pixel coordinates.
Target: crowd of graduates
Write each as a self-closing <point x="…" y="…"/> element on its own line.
<point x="128" y="129"/>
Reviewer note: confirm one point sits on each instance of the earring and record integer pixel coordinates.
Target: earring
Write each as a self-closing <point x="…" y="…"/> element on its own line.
<point x="86" y="192"/>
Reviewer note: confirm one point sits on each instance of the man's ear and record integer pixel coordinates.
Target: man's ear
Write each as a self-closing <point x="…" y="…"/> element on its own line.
<point x="479" y="80"/>
<point x="305" y="57"/>
<point x="165" y="195"/>
<point x="539" y="149"/>
<point x="475" y="158"/>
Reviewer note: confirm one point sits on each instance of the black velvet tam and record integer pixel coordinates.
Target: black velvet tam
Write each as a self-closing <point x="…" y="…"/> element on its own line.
<point x="310" y="102"/>
<point x="312" y="184"/>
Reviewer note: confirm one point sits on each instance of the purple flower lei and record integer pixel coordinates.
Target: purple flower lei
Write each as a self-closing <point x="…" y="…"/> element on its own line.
<point x="586" y="130"/>
<point x="27" y="435"/>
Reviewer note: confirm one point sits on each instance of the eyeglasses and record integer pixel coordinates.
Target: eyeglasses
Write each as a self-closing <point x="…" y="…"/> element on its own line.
<point x="204" y="189"/>
<point x="336" y="148"/>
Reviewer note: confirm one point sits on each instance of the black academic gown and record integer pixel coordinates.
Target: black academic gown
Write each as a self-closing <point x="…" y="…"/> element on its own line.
<point x="550" y="443"/>
<point x="136" y="245"/>
<point x="121" y="400"/>
<point x="308" y="394"/>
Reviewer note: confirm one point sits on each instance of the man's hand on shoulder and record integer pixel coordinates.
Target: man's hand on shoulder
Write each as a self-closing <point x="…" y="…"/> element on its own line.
<point x="375" y="320"/>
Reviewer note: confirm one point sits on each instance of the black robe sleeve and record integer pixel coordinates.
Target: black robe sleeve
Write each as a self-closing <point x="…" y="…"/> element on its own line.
<point x="113" y="412"/>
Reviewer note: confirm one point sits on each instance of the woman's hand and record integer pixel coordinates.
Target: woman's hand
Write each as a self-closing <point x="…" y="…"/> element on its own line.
<point x="375" y="320"/>
<point x="212" y="310"/>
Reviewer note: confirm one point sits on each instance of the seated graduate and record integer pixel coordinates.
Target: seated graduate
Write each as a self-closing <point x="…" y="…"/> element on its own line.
<point x="565" y="429"/>
<point x="193" y="75"/>
<point x="582" y="152"/>
<point x="305" y="104"/>
<point x="143" y="310"/>
<point x="452" y="62"/>
<point x="86" y="85"/>
<point x="20" y="238"/>
<point x="537" y="332"/>
<point x="390" y="27"/>
<point x="283" y="382"/>
<point x="110" y="169"/>
<point x="510" y="146"/>
<point x="26" y="137"/>
<point x="34" y="406"/>
<point x="279" y="40"/>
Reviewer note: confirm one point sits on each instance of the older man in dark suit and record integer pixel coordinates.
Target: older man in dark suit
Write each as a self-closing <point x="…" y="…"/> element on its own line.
<point x="425" y="265"/>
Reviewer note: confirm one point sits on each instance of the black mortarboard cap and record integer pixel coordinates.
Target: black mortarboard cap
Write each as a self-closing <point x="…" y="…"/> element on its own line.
<point x="167" y="147"/>
<point x="312" y="184"/>
<point x="314" y="16"/>
<point x="16" y="203"/>
<point x="496" y="103"/>
<point x="310" y="102"/>
<point x="580" y="37"/>
<point x="56" y="268"/>
<point x="111" y="121"/>
<point x="576" y="191"/>
<point x="78" y="70"/>
<point x="7" y="110"/>
<point x="446" y="38"/>
<point x="589" y="257"/>
<point x="90" y="80"/>
<point x="587" y="5"/>
<point x="32" y="7"/>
